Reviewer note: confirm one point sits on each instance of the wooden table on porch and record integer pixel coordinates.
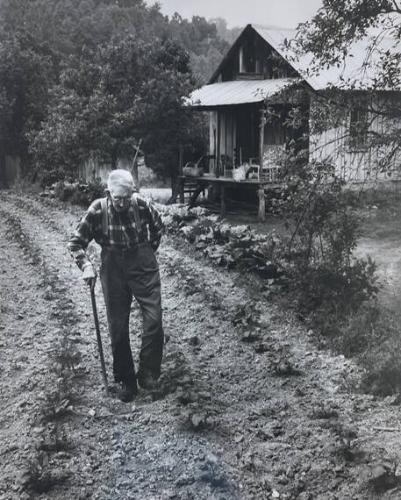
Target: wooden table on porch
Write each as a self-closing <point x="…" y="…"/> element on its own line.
<point x="223" y="182"/>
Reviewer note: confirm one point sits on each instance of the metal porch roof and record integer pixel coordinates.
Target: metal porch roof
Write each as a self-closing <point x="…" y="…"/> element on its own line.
<point x="237" y="92"/>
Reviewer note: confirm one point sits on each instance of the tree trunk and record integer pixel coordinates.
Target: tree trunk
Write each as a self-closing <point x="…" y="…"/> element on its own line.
<point x="113" y="160"/>
<point x="135" y="174"/>
<point x="3" y="176"/>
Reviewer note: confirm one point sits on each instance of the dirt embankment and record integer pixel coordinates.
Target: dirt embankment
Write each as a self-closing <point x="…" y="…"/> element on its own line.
<point x="247" y="409"/>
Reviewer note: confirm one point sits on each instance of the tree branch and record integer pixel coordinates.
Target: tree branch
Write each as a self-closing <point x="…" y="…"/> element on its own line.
<point x="396" y="7"/>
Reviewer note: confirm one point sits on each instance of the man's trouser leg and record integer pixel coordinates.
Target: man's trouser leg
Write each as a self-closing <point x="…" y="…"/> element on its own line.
<point x="144" y="283"/>
<point x="118" y="299"/>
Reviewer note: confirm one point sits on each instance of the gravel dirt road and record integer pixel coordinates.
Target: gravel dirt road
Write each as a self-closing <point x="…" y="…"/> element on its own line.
<point x="248" y="407"/>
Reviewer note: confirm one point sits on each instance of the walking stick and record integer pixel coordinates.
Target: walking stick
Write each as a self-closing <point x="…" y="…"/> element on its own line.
<point x="99" y="339"/>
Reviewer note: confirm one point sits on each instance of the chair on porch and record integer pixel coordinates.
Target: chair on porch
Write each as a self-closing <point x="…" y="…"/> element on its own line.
<point x="272" y="159"/>
<point x="254" y="169"/>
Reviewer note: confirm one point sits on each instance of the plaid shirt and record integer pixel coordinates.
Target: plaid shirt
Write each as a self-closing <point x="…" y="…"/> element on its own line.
<point x="122" y="230"/>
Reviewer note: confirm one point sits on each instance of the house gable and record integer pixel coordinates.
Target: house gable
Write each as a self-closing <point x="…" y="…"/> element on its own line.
<point x="360" y="70"/>
<point x="252" y="57"/>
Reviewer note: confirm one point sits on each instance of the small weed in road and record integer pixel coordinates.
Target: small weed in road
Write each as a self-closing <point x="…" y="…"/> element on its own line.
<point x="38" y="480"/>
<point x="372" y="335"/>
<point x="15" y="232"/>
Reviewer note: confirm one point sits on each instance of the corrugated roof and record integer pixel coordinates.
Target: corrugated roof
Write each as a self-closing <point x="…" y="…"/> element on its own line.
<point x="359" y="70"/>
<point x="237" y="92"/>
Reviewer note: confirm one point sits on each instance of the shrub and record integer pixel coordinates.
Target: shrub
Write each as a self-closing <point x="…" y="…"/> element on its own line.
<point x="95" y="189"/>
<point x="64" y="191"/>
<point x="86" y="193"/>
<point x="362" y="331"/>
<point x="79" y="197"/>
<point x="328" y="293"/>
<point x="382" y="353"/>
<point x="328" y="282"/>
<point x="79" y="193"/>
<point x="383" y="369"/>
<point x="51" y="176"/>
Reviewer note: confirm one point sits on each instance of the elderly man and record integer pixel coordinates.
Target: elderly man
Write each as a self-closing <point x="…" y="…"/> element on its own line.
<point x="129" y="230"/>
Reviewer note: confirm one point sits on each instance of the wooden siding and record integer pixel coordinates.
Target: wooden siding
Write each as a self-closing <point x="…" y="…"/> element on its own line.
<point x="92" y="169"/>
<point x="354" y="164"/>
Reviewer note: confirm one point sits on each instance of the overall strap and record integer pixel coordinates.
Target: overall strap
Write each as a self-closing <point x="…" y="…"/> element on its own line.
<point x="105" y="217"/>
<point x="136" y="214"/>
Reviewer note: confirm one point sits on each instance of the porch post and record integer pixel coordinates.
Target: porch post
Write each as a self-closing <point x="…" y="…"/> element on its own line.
<point x="261" y="190"/>
<point x="181" y="188"/>
<point x="217" y="170"/>
<point x="181" y="180"/>
<point x="262" y="123"/>
<point x="262" y="203"/>
<point x="222" y="200"/>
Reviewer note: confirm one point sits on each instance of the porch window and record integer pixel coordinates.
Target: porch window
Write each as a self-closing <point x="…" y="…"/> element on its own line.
<point x="358" y="126"/>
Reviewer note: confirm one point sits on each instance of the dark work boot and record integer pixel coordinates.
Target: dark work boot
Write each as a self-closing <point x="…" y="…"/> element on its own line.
<point x="128" y="391"/>
<point x="147" y="380"/>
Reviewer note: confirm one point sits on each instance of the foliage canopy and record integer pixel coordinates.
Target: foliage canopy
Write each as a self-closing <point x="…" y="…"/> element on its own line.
<point x="86" y="78"/>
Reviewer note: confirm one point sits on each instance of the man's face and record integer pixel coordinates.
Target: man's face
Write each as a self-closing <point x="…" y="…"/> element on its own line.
<point x="120" y="198"/>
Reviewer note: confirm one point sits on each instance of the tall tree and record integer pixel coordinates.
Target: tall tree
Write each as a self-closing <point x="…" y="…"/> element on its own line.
<point x="45" y="44"/>
<point x="26" y="73"/>
<point x="127" y="90"/>
<point x="329" y="33"/>
<point x="339" y="29"/>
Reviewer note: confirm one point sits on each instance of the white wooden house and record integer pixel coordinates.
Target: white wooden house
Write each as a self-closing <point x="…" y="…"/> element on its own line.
<point x="256" y="74"/>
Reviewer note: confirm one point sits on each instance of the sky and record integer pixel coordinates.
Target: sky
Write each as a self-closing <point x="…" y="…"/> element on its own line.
<point x="282" y="13"/>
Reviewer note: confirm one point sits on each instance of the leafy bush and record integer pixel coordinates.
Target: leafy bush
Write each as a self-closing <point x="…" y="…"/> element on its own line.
<point x="94" y="189"/>
<point x="336" y="292"/>
<point x="79" y="193"/>
<point x="363" y="330"/>
<point x="51" y="176"/>
<point x="80" y="198"/>
<point x="383" y="369"/>
<point x="329" y="283"/>
<point x="64" y="191"/>
<point x="229" y="246"/>
<point x="380" y="357"/>
<point x="328" y="294"/>
<point x="86" y="193"/>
